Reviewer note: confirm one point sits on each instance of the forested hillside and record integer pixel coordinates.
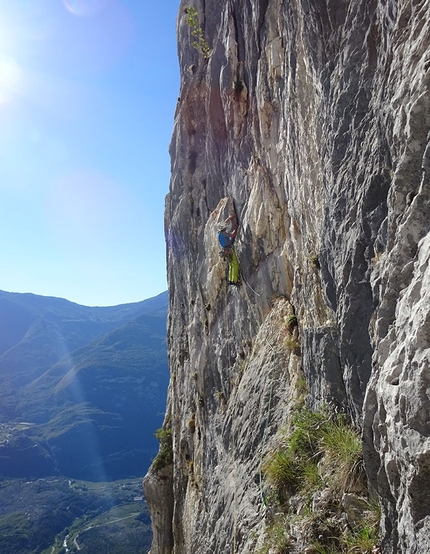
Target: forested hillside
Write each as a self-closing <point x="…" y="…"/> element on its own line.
<point x="82" y="390"/>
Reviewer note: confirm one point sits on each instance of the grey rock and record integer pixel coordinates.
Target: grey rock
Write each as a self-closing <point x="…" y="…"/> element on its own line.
<point x="157" y="485"/>
<point x="322" y="367"/>
<point x="314" y="117"/>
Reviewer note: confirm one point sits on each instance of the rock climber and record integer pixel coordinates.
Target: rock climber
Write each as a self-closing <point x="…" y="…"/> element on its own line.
<point x="226" y="240"/>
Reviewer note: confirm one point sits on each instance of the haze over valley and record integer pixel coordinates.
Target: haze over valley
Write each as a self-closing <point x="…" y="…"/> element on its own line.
<point x="82" y="392"/>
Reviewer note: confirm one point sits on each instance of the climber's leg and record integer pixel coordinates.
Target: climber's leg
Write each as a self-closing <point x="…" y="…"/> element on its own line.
<point x="233" y="269"/>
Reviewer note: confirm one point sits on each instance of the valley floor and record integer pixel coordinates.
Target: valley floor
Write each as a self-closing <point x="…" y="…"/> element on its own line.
<point x="58" y="515"/>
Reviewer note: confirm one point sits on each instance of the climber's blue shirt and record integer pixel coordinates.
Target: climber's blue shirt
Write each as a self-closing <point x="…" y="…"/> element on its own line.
<point x="224" y="240"/>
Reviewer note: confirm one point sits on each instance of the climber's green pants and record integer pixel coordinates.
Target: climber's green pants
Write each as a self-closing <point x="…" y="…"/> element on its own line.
<point x="233" y="268"/>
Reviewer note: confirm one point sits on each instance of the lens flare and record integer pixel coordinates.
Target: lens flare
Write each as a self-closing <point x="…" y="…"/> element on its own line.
<point x="84" y="8"/>
<point x="10" y="78"/>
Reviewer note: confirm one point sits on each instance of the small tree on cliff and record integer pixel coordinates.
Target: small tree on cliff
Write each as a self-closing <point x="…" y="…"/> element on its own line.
<point x="200" y="44"/>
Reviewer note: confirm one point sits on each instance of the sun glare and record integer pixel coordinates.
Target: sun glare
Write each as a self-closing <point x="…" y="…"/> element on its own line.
<point x="10" y="78"/>
<point x="84" y="8"/>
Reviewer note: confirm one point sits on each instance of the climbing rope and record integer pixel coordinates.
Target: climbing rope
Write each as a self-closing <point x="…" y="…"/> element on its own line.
<point x="263" y="446"/>
<point x="232" y="433"/>
<point x="248" y="285"/>
<point x="265" y="426"/>
<point x="234" y="493"/>
<point x="233" y="442"/>
<point x="243" y="278"/>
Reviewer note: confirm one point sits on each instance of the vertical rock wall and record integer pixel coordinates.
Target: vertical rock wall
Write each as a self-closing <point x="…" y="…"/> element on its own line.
<point x="314" y="117"/>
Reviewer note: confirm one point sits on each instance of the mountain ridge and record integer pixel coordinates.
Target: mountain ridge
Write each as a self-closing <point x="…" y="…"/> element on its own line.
<point x="76" y="371"/>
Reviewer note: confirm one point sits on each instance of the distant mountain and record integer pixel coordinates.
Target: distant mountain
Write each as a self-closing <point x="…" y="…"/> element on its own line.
<point x="82" y="389"/>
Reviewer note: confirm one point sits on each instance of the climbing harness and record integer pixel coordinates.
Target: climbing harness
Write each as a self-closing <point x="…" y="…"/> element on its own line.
<point x="226" y="240"/>
<point x="228" y="254"/>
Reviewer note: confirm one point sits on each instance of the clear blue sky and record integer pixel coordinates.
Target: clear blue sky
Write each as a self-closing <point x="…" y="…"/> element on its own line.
<point x="88" y="90"/>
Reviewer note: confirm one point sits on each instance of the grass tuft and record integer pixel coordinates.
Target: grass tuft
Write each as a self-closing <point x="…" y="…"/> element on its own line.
<point x="277" y="539"/>
<point x="282" y="470"/>
<point x="321" y="459"/>
<point x="341" y="444"/>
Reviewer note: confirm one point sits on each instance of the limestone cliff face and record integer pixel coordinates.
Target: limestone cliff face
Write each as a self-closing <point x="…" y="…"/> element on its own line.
<point x="314" y="116"/>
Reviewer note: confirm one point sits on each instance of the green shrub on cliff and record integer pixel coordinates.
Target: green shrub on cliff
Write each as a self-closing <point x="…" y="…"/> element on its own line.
<point x="165" y="453"/>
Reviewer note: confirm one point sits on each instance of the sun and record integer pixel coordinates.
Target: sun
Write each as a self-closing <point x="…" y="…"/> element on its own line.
<point x="10" y="78"/>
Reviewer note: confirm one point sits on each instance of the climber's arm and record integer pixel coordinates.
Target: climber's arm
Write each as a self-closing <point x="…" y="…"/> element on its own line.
<point x="234" y="232"/>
